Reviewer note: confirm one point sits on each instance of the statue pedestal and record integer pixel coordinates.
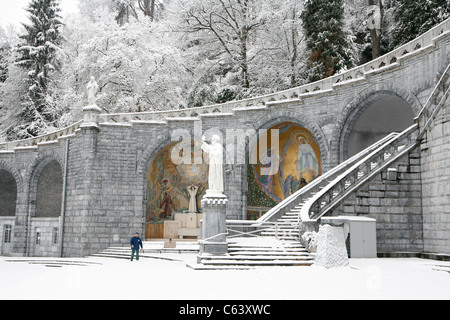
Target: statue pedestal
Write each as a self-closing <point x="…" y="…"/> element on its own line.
<point x="213" y="230"/>
<point x="90" y="119"/>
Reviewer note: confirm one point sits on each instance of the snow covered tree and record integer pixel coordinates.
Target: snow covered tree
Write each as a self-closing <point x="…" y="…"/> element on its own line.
<point x="37" y="55"/>
<point x="226" y="28"/>
<point x="416" y="17"/>
<point x="4" y="51"/>
<point x="125" y="9"/>
<point x="328" y="44"/>
<point x="138" y="66"/>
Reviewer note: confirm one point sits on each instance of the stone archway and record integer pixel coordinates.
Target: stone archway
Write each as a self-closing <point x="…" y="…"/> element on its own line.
<point x="373" y="114"/>
<point x="8" y="194"/>
<point x="44" y="196"/>
<point x="49" y="191"/>
<point x="167" y="198"/>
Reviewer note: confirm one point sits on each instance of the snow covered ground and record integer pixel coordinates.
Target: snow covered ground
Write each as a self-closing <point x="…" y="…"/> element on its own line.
<point x="107" y="278"/>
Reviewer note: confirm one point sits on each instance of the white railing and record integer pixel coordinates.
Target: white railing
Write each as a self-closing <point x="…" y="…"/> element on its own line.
<point x="434" y="103"/>
<point x="316" y="185"/>
<point x="249" y="229"/>
<point x="358" y="175"/>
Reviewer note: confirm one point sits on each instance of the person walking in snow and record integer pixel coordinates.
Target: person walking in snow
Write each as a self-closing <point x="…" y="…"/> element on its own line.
<point x="135" y="243"/>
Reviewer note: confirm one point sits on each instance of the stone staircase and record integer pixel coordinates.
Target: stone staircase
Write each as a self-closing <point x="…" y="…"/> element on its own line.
<point x="244" y="253"/>
<point x="287" y="227"/>
<point x="150" y="249"/>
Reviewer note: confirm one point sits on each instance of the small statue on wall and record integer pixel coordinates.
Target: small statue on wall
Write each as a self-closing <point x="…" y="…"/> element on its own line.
<point x="92" y="90"/>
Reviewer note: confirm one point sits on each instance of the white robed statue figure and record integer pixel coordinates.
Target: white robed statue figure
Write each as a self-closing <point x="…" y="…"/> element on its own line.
<point x="192" y="190"/>
<point x="215" y="152"/>
<point x="92" y="90"/>
<point x="306" y="158"/>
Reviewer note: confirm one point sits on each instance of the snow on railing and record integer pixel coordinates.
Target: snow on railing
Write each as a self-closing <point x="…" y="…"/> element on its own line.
<point x="44" y="139"/>
<point x="316" y="185"/>
<point x="358" y="175"/>
<point x="390" y="60"/>
<point x="434" y="103"/>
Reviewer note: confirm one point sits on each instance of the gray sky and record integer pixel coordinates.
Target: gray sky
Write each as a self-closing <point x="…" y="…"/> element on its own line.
<point x="13" y="12"/>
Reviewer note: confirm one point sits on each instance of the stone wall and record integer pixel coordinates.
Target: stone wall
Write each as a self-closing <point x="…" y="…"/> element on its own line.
<point x="395" y="203"/>
<point x="435" y="160"/>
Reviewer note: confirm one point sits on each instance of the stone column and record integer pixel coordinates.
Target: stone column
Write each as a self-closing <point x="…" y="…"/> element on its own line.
<point x="213" y="233"/>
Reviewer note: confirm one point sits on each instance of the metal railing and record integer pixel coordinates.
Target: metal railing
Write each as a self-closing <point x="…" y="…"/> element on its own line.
<point x="246" y="228"/>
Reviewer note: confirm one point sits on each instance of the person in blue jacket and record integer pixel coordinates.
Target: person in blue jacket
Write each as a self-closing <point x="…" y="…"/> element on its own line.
<point x="135" y="242"/>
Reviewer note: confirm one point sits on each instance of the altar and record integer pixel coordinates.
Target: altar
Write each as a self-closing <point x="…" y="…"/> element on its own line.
<point x="183" y="226"/>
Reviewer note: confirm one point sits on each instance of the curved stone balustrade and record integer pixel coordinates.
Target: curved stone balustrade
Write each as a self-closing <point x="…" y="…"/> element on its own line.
<point x="358" y="74"/>
<point x="44" y="139"/>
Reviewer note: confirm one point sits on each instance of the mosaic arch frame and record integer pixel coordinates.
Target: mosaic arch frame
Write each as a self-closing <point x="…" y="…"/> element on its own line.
<point x="299" y="162"/>
<point x="168" y="182"/>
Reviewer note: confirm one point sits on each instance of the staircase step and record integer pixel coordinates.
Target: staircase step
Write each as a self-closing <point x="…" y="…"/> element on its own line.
<point x="257" y="263"/>
<point x="269" y="254"/>
<point x="248" y="249"/>
<point x="257" y="257"/>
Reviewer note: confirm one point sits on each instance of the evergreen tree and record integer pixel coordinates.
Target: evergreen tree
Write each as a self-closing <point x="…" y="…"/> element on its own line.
<point x="416" y="17"/>
<point x="37" y="55"/>
<point x="328" y="44"/>
<point x="4" y="50"/>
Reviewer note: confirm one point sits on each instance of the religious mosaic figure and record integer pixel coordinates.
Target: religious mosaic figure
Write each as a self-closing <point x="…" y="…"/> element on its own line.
<point x="168" y="205"/>
<point x="306" y="159"/>
<point x="215" y="152"/>
<point x="192" y="202"/>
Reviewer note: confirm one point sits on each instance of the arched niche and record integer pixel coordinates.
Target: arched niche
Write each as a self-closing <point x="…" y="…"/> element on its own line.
<point x="49" y="191"/>
<point x="299" y="162"/>
<point x="381" y="116"/>
<point x="172" y="170"/>
<point x="8" y="194"/>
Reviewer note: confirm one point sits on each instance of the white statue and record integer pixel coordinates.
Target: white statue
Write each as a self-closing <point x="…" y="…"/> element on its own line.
<point x="192" y="202"/>
<point x="215" y="152"/>
<point x="92" y="90"/>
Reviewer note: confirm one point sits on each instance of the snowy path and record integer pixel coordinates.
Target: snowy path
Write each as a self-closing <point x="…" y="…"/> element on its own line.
<point x="106" y="278"/>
